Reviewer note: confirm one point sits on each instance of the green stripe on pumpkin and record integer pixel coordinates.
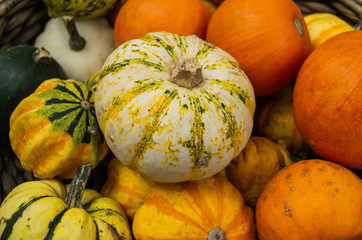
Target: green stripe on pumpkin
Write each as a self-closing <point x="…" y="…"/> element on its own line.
<point x="196" y="143"/>
<point x="53" y="224"/>
<point x="182" y="43"/>
<point x="156" y="112"/>
<point x="233" y="131"/>
<point x="243" y="95"/>
<point x="63" y="108"/>
<point x="155" y="41"/>
<point x="107" y="211"/>
<point x="205" y="49"/>
<point x="118" y="66"/>
<point x="118" y="103"/>
<point x="16" y="216"/>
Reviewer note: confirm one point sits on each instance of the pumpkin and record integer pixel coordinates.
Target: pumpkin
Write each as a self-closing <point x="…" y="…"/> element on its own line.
<point x="54" y="130"/>
<point x="139" y="17"/>
<point x="210" y="208"/>
<point x="274" y="119"/>
<point x="322" y="26"/>
<point x="22" y="69"/>
<point x="269" y="39"/>
<point x="311" y="199"/>
<point x="45" y="210"/>
<point x="82" y="63"/>
<point x="84" y="9"/>
<point x="250" y="171"/>
<point x="93" y="81"/>
<point x="173" y="107"/>
<point x="327" y="99"/>
<point x="125" y="186"/>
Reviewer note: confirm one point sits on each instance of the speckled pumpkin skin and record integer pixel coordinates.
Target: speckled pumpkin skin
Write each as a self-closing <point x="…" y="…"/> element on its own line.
<point x="311" y="199"/>
<point x="36" y="210"/>
<point x="166" y="132"/>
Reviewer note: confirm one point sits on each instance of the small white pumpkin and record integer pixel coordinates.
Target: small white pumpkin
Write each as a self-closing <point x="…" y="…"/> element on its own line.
<point x="79" y="65"/>
<point x="174" y="107"/>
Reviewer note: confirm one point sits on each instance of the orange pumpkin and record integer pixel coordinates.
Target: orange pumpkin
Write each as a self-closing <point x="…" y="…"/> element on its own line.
<point x="210" y="208"/>
<point x="327" y="99"/>
<point x="311" y="199"/>
<point x="125" y="186"/>
<point x="269" y="39"/>
<point x="138" y="17"/>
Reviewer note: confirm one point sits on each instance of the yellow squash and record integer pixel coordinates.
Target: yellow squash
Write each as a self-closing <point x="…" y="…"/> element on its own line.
<point x="210" y="208"/>
<point x="45" y="210"/>
<point x="322" y="26"/>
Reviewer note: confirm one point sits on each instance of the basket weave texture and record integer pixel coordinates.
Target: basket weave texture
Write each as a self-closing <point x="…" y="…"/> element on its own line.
<point x="22" y="20"/>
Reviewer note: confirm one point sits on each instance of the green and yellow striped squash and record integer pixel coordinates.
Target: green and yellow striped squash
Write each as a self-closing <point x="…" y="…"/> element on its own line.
<point x="92" y="82"/>
<point x="54" y="130"/>
<point x="36" y="210"/>
<point x="79" y="9"/>
<point x="174" y="107"/>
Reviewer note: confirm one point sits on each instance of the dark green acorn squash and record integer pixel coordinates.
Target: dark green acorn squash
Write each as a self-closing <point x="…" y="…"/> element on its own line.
<point x="22" y="69"/>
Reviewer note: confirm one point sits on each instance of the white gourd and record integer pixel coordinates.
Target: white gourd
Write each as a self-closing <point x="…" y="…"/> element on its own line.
<point x="164" y="127"/>
<point x="78" y="65"/>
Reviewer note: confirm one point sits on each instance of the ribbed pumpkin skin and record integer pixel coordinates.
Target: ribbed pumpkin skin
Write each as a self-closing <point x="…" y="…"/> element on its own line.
<point x="79" y="9"/>
<point x="36" y="210"/>
<point x="189" y="210"/>
<point x="327" y="99"/>
<point x="52" y="134"/>
<point x="262" y="37"/>
<point x="322" y="26"/>
<point x="125" y="186"/>
<point x="166" y="132"/>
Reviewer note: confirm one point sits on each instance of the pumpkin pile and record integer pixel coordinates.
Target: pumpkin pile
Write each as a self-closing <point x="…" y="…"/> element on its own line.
<point x="207" y="119"/>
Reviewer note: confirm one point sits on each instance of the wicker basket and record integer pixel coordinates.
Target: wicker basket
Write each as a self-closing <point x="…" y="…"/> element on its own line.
<point x="22" y="20"/>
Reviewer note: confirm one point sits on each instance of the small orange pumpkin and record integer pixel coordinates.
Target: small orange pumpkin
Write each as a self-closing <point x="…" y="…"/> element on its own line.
<point x="139" y="17"/>
<point x="210" y="208"/>
<point x="327" y="99"/>
<point x="311" y="199"/>
<point x="269" y="39"/>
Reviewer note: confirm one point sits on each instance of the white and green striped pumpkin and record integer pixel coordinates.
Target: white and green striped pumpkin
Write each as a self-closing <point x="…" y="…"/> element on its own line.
<point x="79" y="9"/>
<point x="174" y="107"/>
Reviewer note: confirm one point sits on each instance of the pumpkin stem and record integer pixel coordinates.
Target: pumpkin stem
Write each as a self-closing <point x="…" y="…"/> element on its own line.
<point x="85" y="104"/>
<point x="299" y="26"/>
<point x="216" y="234"/>
<point x="42" y="56"/>
<point x="76" y="42"/>
<point x="187" y="73"/>
<point x="74" y="195"/>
